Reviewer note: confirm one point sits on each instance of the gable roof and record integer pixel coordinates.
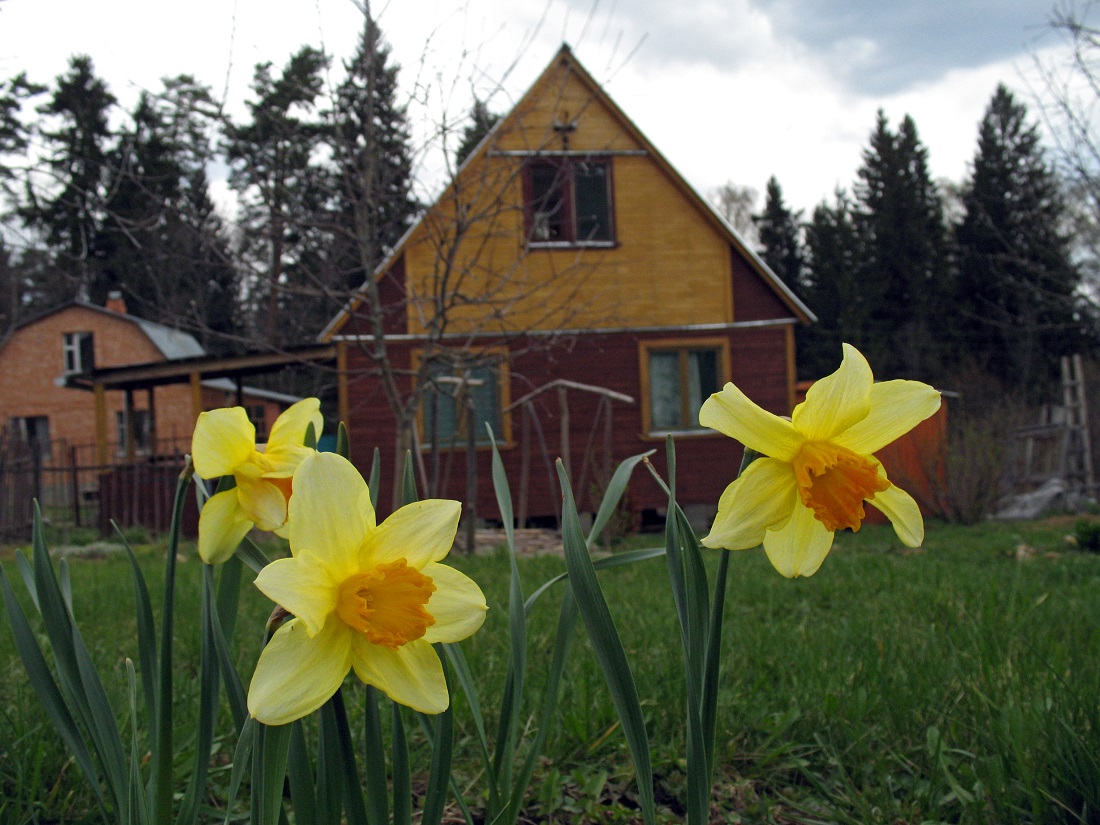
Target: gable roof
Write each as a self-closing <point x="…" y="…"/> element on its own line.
<point x="566" y="61"/>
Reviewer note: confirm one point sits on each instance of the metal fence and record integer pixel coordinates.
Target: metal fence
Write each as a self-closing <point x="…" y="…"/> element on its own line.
<point x="74" y="489"/>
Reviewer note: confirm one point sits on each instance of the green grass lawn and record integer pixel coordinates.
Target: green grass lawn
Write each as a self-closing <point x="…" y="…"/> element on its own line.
<point x="957" y="683"/>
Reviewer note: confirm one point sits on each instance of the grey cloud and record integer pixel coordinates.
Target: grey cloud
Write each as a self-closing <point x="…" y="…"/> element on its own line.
<point x="876" y="47"/>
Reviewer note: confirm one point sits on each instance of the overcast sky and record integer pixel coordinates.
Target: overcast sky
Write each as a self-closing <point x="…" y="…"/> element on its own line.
<point x="728" y="90"/>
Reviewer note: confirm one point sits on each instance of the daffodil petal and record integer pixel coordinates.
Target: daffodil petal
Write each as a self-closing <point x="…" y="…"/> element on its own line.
<point x="896" y="408"/>
<point x="419" y="533"/>
<point x="903" y="512"/>
<point x="223" y="440"/>
<point x="326" y="512"/>
<point x="289" y="429"/>
<point x="302" y="585"/>
<point x="801" y="546"/>
<point x="297" y="673"/>
<point x="457" y="605"/>
<point x="733" y="413"/>
<point x="264" y="503"/>
<point x="762" y="497"/>
<point x="837" y="401"/>
<point x="222" y="525"/>
<point x="410" y="674"/>
<point x="281" y="462"/>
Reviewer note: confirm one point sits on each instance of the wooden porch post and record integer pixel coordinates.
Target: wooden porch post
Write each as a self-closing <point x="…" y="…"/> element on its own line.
<point x="196" y="397"/>
<point x="128" y="425"/>
<point x="342" y="400"/>
<point x="100" y="424"/>
<point x="152" y="413"/>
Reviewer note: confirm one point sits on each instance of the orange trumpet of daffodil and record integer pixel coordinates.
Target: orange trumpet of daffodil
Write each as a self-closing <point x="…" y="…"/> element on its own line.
<point x="367" y="597"/>
<point x="818" y="467"/>
<point x="224" y="444"/>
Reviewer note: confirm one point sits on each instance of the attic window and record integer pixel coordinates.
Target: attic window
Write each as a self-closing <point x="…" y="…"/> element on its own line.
<point x="568" y="201"/>
<point x="78" y="351"/>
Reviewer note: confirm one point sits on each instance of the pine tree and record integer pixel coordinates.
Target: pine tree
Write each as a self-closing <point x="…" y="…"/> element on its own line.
<point x="282" y="190"/>
<point x="1018" y="285"/>
<point x="906" y="276"/>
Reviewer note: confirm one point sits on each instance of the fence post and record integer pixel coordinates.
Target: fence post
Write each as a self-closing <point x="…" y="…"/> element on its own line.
<point x="74" y="475"/>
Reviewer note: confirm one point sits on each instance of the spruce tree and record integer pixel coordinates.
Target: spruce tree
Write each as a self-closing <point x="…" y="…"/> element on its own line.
<point x="906" y="279"/>
<point x="164" y="245"/>
<point x="1018" y="285"/>
<point x="373" y="157"/>
<point x="833" y="290"/>
<point x="69" y="212"/>
<point x="780" y="241"/>
<point x="482" y="121"/>
<point x="14" y="133"/>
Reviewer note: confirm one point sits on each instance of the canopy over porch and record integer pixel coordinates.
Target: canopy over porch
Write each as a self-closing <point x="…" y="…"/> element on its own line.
<point x="193" y="371"/>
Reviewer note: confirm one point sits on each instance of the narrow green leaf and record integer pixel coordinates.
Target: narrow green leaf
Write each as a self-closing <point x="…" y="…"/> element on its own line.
<point x="614" y="493"/>
<point x="26" y="572"/>
<point x="242" y="762"/>
<point x="269" y="763"/>
<point x="353" y="796"/>
<point x="251" y="555"/>
<point x="139" y="803"/>
<point x="235" y="693"/>
<point x="73" y="663"/>
<point x="300" y="772"/>
<point x="402" y="772"/>
<point x="229" y="594"/>
<point x="712" y="668"/>
<point x="343" y="444"/>
<point x="374" y="478"/>
<point x="104" y="727"/>
<point x="147" y="638"/>
<point x="607" y="645"/>
<point x="567" y="622"/>
<point x="48" y="692"/>
<point x="408" y="481"/>
<point x="440" y="731"/>
<point x="375" y="787"/>
<point x="330" y="773"/>
<point x="512" y="699"/>
<point x="469" y="688"/>
<point x="209" y="693"/>
<point x="310" y="439"/>
<point x="618" y="560"/>
<point x="162" y="757"/>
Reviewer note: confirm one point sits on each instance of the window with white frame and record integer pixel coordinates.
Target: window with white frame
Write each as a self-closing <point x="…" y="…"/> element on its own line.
<point x="78" y="351"/>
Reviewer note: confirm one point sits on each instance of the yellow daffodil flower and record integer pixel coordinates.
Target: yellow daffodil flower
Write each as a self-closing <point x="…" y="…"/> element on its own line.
<point x="819" y="468"/>
<point x="224" y="444"/>
<point x="367" y="597"/>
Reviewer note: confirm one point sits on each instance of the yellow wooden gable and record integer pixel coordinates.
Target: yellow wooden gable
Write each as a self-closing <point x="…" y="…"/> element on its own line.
<point x="474" y="261"/>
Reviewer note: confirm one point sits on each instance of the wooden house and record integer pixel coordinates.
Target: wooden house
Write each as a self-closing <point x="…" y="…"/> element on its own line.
<point x="566" y="254"/>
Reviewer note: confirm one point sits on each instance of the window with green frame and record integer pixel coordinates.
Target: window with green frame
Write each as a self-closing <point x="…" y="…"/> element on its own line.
<point x="450" y="394"/>
<point x="680" y="379"/>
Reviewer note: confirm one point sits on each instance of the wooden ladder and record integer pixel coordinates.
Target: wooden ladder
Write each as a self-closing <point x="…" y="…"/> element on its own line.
<point x="1076" y="446"/>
